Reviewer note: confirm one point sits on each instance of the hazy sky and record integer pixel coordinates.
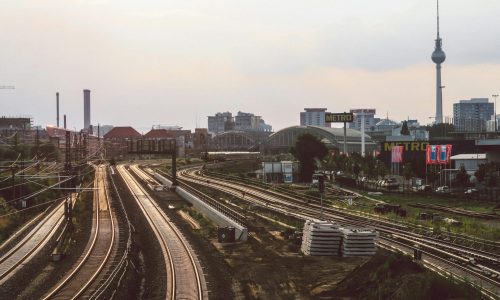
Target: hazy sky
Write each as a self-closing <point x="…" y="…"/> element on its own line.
<point x="176" y="62"/>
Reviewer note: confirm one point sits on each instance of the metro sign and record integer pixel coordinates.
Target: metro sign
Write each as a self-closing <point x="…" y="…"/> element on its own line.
<point x="339" y="117"/>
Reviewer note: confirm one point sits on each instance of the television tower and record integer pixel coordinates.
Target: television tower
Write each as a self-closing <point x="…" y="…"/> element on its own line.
<point x="438" y="58"/>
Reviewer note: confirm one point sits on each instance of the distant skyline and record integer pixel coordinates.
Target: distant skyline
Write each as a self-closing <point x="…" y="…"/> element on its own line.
<point x="177" y="62"/>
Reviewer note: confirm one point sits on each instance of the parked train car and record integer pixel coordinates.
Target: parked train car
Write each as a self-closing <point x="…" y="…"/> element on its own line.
<point x="223" y="156"/>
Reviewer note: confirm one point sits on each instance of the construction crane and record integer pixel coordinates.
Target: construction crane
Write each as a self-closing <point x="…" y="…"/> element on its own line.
<point x="7" y="87"/>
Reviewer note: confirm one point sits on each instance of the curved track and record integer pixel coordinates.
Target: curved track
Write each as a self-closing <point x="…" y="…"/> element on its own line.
<point x="32" y="243"/>
<point x="185" y="278"/>
<point x="393" y="235"/>
<point x="76" y="283"/>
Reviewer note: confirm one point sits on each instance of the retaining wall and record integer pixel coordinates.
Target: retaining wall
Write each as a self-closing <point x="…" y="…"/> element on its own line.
<point x="210" y="212"/>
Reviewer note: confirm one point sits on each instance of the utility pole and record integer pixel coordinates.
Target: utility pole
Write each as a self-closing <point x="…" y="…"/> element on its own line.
<point x="495" y="112"/>
<point x="85" y="146"/>
<point x="174" y="163"/>
<point x="68" y="184"/>
<point x="321" y="187"/>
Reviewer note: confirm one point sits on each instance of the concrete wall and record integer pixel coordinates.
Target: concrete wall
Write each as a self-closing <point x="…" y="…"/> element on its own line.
<point x="208" y="211"/>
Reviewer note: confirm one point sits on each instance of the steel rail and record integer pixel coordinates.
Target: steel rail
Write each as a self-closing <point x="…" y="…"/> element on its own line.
<point x="31" y="235"/>
<point x="489" y="243"/>
<point x="472" y="272"/>
<point x="141" y="174"/>
<point x="385" y="224"/>
<point x="135" y="189"/>
<point x="87" y="255"/>
<point x="123" y="262"/>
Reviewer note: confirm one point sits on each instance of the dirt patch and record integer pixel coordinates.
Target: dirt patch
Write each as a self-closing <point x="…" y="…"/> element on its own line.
<point x="268" y="266"/>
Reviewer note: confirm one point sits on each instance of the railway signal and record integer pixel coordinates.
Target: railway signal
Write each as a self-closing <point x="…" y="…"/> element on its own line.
<point x="321" y="188"/>
<point x="157" y="147"/>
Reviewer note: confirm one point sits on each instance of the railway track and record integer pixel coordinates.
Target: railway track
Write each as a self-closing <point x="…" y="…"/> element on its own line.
<point x="493" y="247"/>
<point x="185" y="279"/>
<point x="391" y="235"/>
<point x="77" y="282"/>
<point x="32" y="243"/>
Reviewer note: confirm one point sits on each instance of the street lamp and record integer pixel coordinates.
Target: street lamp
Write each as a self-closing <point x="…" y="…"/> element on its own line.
<point x="495" y="116"/>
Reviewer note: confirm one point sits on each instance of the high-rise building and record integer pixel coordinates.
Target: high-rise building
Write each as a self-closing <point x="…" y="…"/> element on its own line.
<point x="490" y="124"/>
<point x="250" y="122"/>
<point x="314" y="117"/>
<point x="472" y="115"/>
<point x="223" y="122"/>
<point x="370" y="120"/>
<point x="86" y="110"/>
<point x="438" y="58"/>
<point x="220" y="122"/>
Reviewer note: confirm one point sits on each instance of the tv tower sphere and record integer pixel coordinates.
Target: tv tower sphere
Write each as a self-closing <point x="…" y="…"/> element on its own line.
<point x="438" y="55"/>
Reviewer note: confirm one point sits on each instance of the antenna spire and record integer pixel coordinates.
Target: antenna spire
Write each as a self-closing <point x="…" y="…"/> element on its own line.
<point x="437" y="6"/>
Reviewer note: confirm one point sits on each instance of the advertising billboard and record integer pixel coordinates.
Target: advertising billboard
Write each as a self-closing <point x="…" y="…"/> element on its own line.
<point x="339" y="117"/>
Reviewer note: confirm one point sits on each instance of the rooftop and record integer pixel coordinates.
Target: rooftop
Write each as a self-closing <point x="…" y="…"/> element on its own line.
<point x="472" y="156"/>
<point x="122" y="132"/>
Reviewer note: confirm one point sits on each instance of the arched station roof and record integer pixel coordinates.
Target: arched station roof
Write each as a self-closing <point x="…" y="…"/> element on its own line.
<point x="332" y="137"/>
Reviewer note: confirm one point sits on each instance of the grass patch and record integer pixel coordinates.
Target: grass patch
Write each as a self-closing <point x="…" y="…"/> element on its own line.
<point x="207" y="228"/>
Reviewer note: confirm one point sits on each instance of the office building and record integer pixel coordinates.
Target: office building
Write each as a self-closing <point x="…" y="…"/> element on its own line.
<point x="250" y="122"/>
<point x="472" y="115"/>
<point x="370" y="120"/>
<point x="313" y="117"/>
<point x="221" y="122"/>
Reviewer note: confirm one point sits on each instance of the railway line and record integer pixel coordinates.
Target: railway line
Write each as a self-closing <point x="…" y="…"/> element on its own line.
<point x="32" y="242"/>
<point x="79" y="280"/>
<point x="454" y="239"/>
<point x="480" y="264"/>
<point x="185" y="278"/>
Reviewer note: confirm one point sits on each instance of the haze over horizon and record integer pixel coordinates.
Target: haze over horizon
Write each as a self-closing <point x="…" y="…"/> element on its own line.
<point x="176" y="63"/>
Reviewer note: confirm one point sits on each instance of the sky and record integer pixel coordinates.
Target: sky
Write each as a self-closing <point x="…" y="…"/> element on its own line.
<point x="174" y="62"/>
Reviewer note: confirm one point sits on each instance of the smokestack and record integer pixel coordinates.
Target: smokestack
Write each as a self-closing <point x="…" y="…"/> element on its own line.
<point x="64" y="121"/>
<point x="57" y="108"/>
<point x="86" y="110"/>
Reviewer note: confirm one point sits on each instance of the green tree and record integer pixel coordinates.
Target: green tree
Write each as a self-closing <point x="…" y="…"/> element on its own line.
<point x="480" y="173"/>
<point x="307" y="148"/>
<point x="368" y="166"/>
<point x="407" y="172"/>
<point x="380" y="169"/>
<point x="404" y="129"/>
<point x="440" y="130"/>
<point x="462" y="177"/>
<point x="431" y="176"/>
<point x="356" y="168"/>
<point x="49" y="151"/>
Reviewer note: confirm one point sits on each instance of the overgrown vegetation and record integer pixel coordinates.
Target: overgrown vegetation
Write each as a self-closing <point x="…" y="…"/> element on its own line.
<point x="395" y="276"/>
<point x="307" y="149"/>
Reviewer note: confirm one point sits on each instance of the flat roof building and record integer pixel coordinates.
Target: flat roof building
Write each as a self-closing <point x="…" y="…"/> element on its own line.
<point x="472" y="115"/>
<point x="313" y="117"/>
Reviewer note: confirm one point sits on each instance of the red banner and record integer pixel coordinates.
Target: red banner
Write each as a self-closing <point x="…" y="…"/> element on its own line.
<point x="438" y="154"/>
<point x="397" y="154"/>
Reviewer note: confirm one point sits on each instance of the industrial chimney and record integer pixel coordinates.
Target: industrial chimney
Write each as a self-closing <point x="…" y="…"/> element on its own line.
<point x="86" y="110"/>
<point x="65" y="122"/>
<point x="57" y="108"/>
